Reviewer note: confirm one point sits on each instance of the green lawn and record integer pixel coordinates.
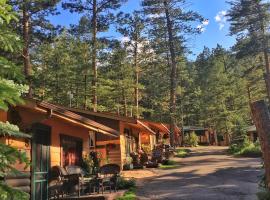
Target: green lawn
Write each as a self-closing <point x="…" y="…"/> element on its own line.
<point x="129" y="195"/>
<point x="169" y="165"/>
<point x="182" y="153"/>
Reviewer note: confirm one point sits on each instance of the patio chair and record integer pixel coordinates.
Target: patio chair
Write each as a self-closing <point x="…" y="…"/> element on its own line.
<point x="109" y="175"/>
<point x="64" y="182"/>
<point x="83" y="181"/>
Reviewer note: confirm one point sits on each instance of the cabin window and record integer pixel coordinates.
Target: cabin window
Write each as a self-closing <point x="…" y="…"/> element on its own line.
<point x="92" y="139"/>
<point x="128" y="141"/>
<point x="71" y="150"/>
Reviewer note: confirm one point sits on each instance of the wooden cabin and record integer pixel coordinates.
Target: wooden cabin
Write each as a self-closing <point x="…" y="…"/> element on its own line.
<point x="161" y="130"/>
<point x="206" y="136"/>
<point x="132" y="134"/>
<point x="162" y="133"/>
<point x="178" y="137"/>
<point x="59" y="137"/>
<point x="252" y="133"/>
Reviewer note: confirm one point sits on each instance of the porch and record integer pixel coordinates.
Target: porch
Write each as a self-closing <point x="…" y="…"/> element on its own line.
<point x="59" y="138"/>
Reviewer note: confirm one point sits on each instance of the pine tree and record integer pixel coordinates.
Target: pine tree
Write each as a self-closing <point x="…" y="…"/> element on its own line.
<point x="176" y="22"/>
<point x="250" y="21"/>
<point x="34" y="28"/>
<point x="223" y="100"/>
<point x="10" y="93"/>
<point x="101" y="16"/>
<point x="132" y="27"/>
<point x="120" y="80"/>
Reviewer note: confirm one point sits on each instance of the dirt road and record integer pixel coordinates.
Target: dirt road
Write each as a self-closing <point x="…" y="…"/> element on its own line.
<point x="207" y="174"/>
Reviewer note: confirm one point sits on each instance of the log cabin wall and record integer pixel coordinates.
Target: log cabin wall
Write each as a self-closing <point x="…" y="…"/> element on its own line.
<point x="148" y="139"/>
<point x="113" y="150"/>
<point x="23" y="181"/>
<point x="3" y="116"/>
<point x="58" y="127"/>
<point x="134" y="133"/>
<point x="109" y="151"/>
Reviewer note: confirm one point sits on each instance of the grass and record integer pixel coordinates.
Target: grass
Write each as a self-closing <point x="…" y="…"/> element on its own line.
<point x="247" y="149"/>
<point x="263" y="195"/>
<point x="170" y="164"/>
<point x="125" y="184"/>
<point x="129" y="195"/>
<point x="182" y="153"/>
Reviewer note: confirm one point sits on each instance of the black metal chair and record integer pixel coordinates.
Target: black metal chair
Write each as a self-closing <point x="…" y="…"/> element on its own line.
<point x="64" y="182"/>
<point x="83" y="181"/>
<point x="109" y="175"/>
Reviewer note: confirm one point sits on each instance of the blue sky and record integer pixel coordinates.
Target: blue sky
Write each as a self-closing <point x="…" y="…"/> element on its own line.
<point x="216" y="31"/>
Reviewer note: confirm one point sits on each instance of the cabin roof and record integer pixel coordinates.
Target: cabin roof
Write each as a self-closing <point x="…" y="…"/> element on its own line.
<point x="251" y="128"/>
<point x="145" y="127"/>
<point x="105" y="115"/>
<point x="194" y="128"/>
<point x="165" y="128"/>
<point x="62" y="111"/>
<point x="138" y="124"/>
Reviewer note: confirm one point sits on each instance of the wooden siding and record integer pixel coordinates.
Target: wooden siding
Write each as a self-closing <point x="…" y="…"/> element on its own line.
<point x="110" y="151"/>
<point x="3" y="116"/>
<point x="58" y="126"/>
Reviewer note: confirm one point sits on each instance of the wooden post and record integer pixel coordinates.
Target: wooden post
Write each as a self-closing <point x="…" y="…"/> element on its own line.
<point x="261" y="118"/>
<point x="139" y="141"/>
<point x="216" y="139"/>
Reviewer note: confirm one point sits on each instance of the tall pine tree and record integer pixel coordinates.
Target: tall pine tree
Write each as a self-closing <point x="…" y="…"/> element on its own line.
<point x="100" y="16"/>
<point x="175" y="21"/>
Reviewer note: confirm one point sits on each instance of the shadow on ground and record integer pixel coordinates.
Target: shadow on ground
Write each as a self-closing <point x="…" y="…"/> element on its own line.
<point x="230" y="179"/>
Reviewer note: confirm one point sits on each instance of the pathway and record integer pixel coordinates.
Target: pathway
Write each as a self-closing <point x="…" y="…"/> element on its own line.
<point x="207" y="174"/>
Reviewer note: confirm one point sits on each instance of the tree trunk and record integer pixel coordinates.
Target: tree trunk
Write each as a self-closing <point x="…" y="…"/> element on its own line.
<point x="136" y="99"/>
<point x="265" y="51"/>
<point x="267" y="68"/>
<point x="173" y="74"/>
<point x="249" y="94"/>
<point x="94" y="56"/>
<point x="261" y="118"/>
<point x="26" y="55"/>
<point x="85" y="92"/>
<point x="124" y="102"/>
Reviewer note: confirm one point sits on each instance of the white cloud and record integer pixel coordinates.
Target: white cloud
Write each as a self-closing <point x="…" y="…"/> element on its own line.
<point x="154" y="15"/>
<point x="203" y="25"/>
<point x="124" y="39"/>
<point x="221" y="19"/>
<point x="205" y="22"/>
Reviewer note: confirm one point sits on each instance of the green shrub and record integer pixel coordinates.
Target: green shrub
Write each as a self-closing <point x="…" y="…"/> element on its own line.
<point x="88" y="164"/>
<point x="129" y="195"/>
<point x="125" y="184"/>
<point x="246" y="148"/>
<point x="263" y="195"/>
<point x="168" y="164"/>
<point x="191" y="139"/>
<point x="182" y="153"/>
<point x="147" y="148"/>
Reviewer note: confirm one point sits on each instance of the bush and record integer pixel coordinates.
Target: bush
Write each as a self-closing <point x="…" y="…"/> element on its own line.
<point x="246" y="148"/>
<point x="129" y="195"/>
<point x="125" y="184"/>
<point x="168" y="164"/>
<point x="191" y="139"/>
<point x="182" y="153"/>
<point x="263" y="195"/>
<point x="147" y="148"/>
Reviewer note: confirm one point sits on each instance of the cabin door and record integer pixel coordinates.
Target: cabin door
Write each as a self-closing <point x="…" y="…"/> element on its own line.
<point x="40" y="161"/>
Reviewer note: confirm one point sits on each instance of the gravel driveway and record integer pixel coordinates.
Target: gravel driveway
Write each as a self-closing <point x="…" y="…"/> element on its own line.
<point x="207" y="174"/>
